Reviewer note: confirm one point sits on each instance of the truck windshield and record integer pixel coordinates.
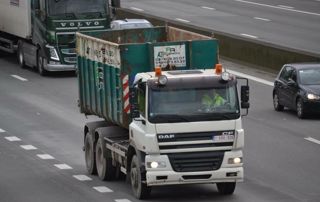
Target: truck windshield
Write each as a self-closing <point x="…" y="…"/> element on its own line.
<point x="193" y="104"/>
<point x="67" y="7"/>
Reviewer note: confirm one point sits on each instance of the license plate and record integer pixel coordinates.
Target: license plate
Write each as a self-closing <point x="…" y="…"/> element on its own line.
<point x="223" y="138"/>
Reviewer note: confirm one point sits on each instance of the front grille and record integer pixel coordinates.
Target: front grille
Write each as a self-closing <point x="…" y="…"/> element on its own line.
<point x="189" y="146"/>
<point x="196" y="161"/>
<point x="177" y="137"/>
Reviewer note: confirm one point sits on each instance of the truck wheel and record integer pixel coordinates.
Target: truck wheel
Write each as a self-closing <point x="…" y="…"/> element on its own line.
<point x="89" y="154"/>
<point x="20" y="55"/>
<point x="226" y="188"/>
<point x="140" y="190"/>
<point x="40" y="64"/>
<point x="105" y="169"/>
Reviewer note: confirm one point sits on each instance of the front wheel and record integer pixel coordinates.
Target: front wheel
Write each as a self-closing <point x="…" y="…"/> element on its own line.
<point x="140" y="190"/>
<point x="21" y="55"/>
<point x="276" y="104"/>
<point x="89" y="154"/>
<point x="300" y="109"/>
<point x="105" y="169"/>
<point x="40" y="64"/>
<point x="226" y="188"/>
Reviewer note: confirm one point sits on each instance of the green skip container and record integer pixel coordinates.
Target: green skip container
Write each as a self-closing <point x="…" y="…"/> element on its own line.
<point x="109" y="60"/>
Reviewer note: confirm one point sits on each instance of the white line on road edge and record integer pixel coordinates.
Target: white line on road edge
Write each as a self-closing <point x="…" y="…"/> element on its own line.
<point x="250" y="36"/>
<point x="13" y="139"/>
<point x="136" y="9"/>
<point x="63" y="166"/>
<point x="312" y="140"/>
<point x="45" y="156"/>
<point x="269" y="83"/>
<point x="182" y="20"/>
<point x="28" y="147"/>
<point x="102" y="189"/>
<point x="277" y="7"/>
<point x="122" y="200"/>
<point x="2" y="131"/>
<point x="283" y="6"/>
<point x="263" y="19"/>
<point x="19" y="77"/>
<point x="82" y="177"/>
<point x="209" y="8"/>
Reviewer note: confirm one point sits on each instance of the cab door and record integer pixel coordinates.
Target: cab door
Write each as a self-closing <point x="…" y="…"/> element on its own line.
<point x="281" y="85"/>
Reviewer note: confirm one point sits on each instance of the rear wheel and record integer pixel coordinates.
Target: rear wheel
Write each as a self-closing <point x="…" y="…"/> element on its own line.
<point x="105" y="169"/>
<point x="140" y="190"/>
<point x="226" y="188"/>
<point x="300" y="109"/>
<point x="89" y="154"/>
<point x="21" y="55"/>
<point x="277" y="106"/>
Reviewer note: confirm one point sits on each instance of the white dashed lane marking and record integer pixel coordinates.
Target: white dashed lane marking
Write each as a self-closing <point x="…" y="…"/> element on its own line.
<point x="263" y="19"/>
<point x="209" y="8"/>
<point x="82" y="177"/>
<point x="28" y="147"/>
<point x="122" y="200"/>
<point x="45" y="156"/>
<point x="63" y="166"/>
<point x="2" y="131"/>
<point x="13" y="139"/>
<point x="137" y="9"/>
<point x="283" y="6"/>
<point x="19" y="77"/>
<point x="182" y="20"/>
<point x="312" y="140"/>
<point x="249" y="36"/>
<point x="102" y="189"/>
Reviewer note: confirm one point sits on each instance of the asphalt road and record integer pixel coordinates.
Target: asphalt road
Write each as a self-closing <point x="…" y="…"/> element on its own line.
<point x="288" y="23"/>
<point x="280" y="164"/>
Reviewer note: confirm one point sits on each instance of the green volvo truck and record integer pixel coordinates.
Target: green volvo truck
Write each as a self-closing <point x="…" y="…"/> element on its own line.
<point x="155" y="90"/>
<point x="42" y="32"/>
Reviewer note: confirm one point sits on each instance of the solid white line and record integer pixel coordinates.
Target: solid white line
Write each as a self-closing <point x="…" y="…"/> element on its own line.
<point x="263" y="19"/>
<point x="63" y="166"/>
<point x="28" y="147"/>
<point x="122" y="200"/>
<point x="182" y="20"/>
<point x="269" y="83"/>
<point x="209" y="8"/>
<point x="19" y="77"/>
<point x="312" y="140"/>
<point x="13" y="139"/>
<point x="277" y="7"/>
<point x="82" y="177"/>
<point x="2" y="131"/>
<point x="45" y="156"/>
<point x="283" y="6"/>
<point x="102" y="189"/>
<point x="250" y="36"/>
<point x="136" y="9"/>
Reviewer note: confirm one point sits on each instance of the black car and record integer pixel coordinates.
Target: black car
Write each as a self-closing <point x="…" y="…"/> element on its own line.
<point x="297" y="87"/>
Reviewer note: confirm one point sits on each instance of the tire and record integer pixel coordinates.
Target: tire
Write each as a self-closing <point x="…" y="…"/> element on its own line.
<point x="140" y="190"/>
<point x="40" y="62"/>
<point x="300" y="109"/>
<point x="21" y="56"/>
<point x="105" y="169"/>
<point x="277" y="106"/>
<point x="90" y="155"/>
<point x="226" y="188"/>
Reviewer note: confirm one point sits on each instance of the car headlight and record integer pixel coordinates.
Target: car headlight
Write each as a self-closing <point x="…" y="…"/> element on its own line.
<point x="311" y="96"/>
<point x="53" y="53"/>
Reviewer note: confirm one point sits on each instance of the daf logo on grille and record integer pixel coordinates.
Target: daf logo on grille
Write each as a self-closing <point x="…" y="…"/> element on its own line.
<point x="166" y="137"/>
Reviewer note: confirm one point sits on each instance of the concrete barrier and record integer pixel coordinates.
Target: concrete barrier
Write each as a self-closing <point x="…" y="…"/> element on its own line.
<point x="236" y="48"/>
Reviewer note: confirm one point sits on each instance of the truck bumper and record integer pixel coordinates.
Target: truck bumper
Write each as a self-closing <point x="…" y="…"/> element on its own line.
<point x="59" y="67"/>
<point x="167" y="176"/>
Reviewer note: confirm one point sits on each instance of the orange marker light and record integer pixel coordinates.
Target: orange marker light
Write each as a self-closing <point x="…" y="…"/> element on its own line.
<point x="158" y="71"/>
<point x="218" y="68"/>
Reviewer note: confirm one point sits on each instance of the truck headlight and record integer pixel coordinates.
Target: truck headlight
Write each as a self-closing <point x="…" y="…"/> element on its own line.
<point x="236" y="160"/>
<point x="311" y="96"/>
<point x="53" y="53"/>
<point x="155" y="164"/>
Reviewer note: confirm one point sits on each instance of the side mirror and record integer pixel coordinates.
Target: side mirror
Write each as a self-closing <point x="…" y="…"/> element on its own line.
<point x="134" y="111"/>
<point x="245" y="97"/>
<point x="291" y="82"/>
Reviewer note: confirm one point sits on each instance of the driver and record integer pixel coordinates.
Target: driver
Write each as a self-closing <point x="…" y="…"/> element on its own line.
<point x="211" y="102"/>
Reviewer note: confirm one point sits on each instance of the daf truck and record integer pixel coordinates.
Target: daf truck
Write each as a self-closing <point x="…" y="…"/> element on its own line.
<point x="154" y="89"/>
<point x="42" y="32"/>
